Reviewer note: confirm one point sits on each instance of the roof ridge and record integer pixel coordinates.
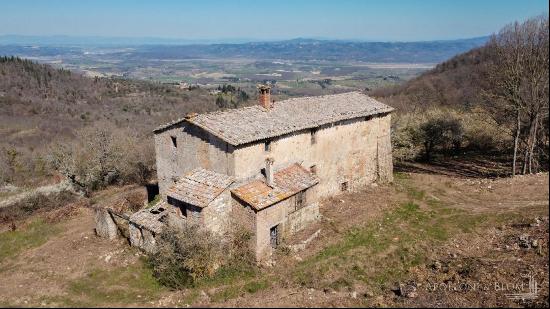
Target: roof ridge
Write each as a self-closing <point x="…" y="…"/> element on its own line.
<point x="252" y="123"/>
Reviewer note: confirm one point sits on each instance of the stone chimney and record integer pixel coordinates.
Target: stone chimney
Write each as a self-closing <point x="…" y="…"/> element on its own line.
<point x="269" y="172"/>
<point x="265" y="96"/>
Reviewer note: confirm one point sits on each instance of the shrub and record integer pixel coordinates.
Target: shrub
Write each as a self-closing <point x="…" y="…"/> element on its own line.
<point x="35" y="203"/>
<point x="184" y="255"/>
<point x="441" y="133"/>
<point x="442" y="129"/>
<point x="190" y="254"/>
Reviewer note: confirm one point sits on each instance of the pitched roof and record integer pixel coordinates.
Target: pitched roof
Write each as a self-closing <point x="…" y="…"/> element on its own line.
<point x="200" y="187"/>
<point x="288" y="182"/>
<point x="253" y="123"/>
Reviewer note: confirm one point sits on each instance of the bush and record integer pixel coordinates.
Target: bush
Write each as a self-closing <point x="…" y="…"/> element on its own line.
<point x="443" y="129"/>
<point x="190" y="254"/>
<point x="184" y="255"/>
<point x="35" y="203"/>
<point x="442" y="133"/>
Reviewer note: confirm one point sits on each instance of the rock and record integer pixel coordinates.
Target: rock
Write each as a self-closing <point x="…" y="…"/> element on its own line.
<point x="408" y="290"/>
<point x="369" y="294"/>
<point x="436" y="265"/>
<point x="107" y="258"/>
<point x="524" y="241"/>
<point x="353" y="294"/>
<point x="534" y="243"/>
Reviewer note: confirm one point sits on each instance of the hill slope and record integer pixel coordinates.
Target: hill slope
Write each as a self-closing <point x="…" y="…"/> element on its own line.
<point x="457" y="82"/>
<point x="41" y="106"/>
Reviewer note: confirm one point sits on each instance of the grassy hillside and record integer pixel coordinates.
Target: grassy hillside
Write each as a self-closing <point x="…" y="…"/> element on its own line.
<point x="457" y="82"/>
<point x="41" y="106"/>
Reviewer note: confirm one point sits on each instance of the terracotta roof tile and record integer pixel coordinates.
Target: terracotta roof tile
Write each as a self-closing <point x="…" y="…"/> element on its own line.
<point x="288" y="182"/>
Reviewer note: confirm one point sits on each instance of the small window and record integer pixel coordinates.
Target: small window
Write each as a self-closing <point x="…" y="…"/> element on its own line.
<point x="267" y="146"/>
<point x="262" y="171"/>
<point x="174" y="141"/>
<point x="300" y="200"/>
<point x="313" y="134"/>
<point x="274" y="236"/>
<point x="344" y="186"/>
<point x="313" y="169"/>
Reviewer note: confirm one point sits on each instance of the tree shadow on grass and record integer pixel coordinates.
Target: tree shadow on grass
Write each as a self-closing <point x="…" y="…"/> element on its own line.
<point x="470" y="165"/>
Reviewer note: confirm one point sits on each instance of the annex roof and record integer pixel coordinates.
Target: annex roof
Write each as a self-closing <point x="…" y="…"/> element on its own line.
<point x="288" y="182"/>
<point x="200" y="187"/>
<point x="253" y="123"/>
<point x="150" y="218"/>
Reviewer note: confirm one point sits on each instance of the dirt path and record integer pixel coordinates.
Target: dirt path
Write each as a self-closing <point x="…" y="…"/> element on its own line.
<point x="44" y="190"/>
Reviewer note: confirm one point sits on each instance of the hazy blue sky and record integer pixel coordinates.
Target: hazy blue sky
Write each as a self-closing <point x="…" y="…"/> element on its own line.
<point x="278" y="19"/>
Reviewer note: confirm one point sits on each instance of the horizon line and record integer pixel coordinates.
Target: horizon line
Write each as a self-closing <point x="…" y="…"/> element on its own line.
<point x="200" y="41"/>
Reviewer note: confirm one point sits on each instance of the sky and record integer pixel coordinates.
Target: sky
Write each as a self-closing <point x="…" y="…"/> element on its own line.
<point x="382" y="20"/>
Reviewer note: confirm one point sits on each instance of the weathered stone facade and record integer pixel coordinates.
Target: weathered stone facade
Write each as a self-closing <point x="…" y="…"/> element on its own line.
<point x="217" y="167"/>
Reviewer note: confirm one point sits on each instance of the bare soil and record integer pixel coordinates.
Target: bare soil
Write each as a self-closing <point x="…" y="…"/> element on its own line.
<point x="427" y="240"/>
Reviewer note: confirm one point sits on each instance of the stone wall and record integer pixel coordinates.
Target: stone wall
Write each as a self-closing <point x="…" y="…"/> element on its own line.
<point x="105" y="225"/>
<point x="195" y="148"/>
<point x="288" y="219"/>
<point x="356" y="152"/>
<point x="385" y="162"/>
<point x="216" y="216"/>
<point x="142" y="238"/>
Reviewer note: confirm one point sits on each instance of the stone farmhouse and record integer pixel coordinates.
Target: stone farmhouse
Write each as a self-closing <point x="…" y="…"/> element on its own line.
<point x="266" y="167"/>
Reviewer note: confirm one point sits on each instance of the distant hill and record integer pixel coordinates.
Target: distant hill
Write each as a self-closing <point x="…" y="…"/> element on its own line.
<point x="308" y="49"/>
<point x="297" y="49"/>
<point x="48" y="104"/>
<point x="457" y="82"/>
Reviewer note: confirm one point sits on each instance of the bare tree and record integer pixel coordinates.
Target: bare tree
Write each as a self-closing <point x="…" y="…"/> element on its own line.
<point x="518" y="83"/>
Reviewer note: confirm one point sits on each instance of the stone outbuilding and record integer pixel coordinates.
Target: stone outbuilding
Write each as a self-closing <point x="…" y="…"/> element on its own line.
<point x="266" y="167"/>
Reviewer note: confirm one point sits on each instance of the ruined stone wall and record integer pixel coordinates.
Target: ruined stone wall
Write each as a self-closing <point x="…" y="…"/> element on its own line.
<point x="216" y="216"/>
<point x="288" y="219"/>
<point x="356" y="152"/>
<point x="105" y="225"/>
<point x="195" y="148"/>
<point x="142" y="238"/>
<point x="243" y="216"/>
